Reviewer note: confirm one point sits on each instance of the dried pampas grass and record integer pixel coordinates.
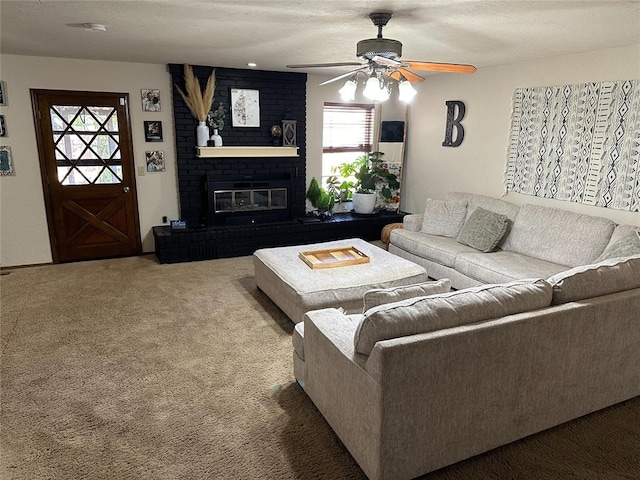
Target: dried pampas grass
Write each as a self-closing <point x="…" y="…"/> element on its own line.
<point x="199" y="102"/>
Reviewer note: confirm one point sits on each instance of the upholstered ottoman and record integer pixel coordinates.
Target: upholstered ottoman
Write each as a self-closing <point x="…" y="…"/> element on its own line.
<point x="297" y="288"/>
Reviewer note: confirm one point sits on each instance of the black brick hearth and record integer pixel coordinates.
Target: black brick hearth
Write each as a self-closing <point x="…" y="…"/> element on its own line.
<point x="234" y="241"/>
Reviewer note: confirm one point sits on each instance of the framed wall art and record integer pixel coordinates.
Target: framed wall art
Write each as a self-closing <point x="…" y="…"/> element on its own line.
<point x="3" y="93"/>
<point x="6" y="161"/>
<point x="289" y="133"/>
<point x="150" y="100"/>
<point x="152" y="131"/>
<point x="245" y="108"/>
<point x="155" y="161"/>
<point x="3" y="127"/>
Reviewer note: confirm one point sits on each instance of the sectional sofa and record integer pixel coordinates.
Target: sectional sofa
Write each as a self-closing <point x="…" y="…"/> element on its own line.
<point x="529" y="241"/>
<point x="425" y="377"/>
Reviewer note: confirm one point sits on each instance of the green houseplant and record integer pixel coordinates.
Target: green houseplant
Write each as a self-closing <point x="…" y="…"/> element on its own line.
<point x="369" y="174"/>
<point x="321" y="200"/>
<point x="215" y="118"/>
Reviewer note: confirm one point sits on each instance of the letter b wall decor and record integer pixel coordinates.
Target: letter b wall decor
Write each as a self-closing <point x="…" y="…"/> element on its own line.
<point x="454" y="120"/>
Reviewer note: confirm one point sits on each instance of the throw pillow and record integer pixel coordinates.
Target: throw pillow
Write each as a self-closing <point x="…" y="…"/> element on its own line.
<point x="483" y="230"/>
<point x="444" y="218"/>
<point x="588" y="281"/>
<point x="625" y="242"/>
<point x="381" y="296"/>
<point x="447" y="310"/>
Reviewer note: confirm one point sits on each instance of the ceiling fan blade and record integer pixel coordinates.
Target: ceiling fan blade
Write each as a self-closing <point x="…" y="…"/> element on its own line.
<point x="386" y="61"/>
<point x="339" y="77"/>
<point x="338" y="64"/>
<point x="440" y="67"/>
<point x="409" y="75"/>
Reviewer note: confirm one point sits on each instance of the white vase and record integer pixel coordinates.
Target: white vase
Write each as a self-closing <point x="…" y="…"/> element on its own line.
<point x="217" y="139"/>
<point x="202" y="134"/>
<point x="364" y="202"/>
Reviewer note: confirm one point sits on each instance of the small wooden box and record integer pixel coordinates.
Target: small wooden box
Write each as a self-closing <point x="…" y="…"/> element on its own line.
<point x="333" y="257"/>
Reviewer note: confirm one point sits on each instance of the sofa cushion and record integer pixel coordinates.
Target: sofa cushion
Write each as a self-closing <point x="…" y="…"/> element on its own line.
<point x="435" y="312"/>
<point x="297" y="338"/>
<point x="444" y="218"/>
<point x="442" y="250"/>
<point x="588" y="281"/>
<point x="624" y="242"/>
<point x="350" y="322"/>
<point x="483" y="230"/>
<point x="380" y="296"/>
<point x="558" y="236"/>
<point x="488" y="203"/>
<point x="502" y="267"/>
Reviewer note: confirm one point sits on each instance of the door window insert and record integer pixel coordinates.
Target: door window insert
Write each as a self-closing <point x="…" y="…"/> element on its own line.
<point x="87" y="144"/>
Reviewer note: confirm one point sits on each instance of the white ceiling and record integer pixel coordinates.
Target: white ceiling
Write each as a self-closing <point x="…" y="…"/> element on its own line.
<point x="277" y="33"/>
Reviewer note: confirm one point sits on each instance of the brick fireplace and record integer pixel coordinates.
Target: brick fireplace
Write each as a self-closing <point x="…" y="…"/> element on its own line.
<point x="260" y="199"/>
<point x="282" y="96"/>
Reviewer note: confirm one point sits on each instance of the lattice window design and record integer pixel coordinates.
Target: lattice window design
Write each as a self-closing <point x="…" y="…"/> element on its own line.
<point x="87" y="144"/>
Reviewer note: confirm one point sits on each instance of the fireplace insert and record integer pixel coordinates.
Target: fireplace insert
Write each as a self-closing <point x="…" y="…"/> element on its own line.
<point x="248" y="199"/>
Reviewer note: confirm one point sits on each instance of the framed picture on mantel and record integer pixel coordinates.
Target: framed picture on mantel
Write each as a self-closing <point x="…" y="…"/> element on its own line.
<point x="245" y="108"/>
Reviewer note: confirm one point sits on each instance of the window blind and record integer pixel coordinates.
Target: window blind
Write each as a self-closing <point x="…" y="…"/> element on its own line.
<point x="347" y="127"/>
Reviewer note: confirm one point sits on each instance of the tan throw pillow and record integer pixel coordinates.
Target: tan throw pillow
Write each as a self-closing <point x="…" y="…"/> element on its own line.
<point x="588" y="281"/>
<point x="483" y="230"/>
<point x="446" y="310"/>
<point x="444" y="218"/>
<point x="380" y="296"/>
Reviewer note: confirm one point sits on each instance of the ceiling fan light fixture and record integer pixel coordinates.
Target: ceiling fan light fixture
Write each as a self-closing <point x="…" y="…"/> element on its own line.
<point x="406" y="92"/>
<point x="376" y="89"/>
<point x="348" y="91"/>
<point x="371" y="88"/>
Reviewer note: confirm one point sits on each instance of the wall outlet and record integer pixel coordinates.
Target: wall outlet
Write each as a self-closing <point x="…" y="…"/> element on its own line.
<point x="142" y="171"/>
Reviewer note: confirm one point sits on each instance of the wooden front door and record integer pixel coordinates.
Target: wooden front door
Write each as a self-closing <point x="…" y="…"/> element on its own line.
<point x="87" y="166"/>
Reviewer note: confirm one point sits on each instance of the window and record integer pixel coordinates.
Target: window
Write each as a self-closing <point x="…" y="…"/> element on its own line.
<point x="347" y="134"/>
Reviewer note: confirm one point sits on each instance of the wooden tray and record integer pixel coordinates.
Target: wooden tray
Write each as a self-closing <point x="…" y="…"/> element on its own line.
<point x="333" y="257"/>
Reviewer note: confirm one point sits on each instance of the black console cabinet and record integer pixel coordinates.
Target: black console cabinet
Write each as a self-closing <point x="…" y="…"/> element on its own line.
<point x="206" y="243"/>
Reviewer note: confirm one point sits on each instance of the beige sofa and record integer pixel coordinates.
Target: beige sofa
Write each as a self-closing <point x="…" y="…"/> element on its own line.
<point x="426" y="381"/>
<point x="536" y="241"/>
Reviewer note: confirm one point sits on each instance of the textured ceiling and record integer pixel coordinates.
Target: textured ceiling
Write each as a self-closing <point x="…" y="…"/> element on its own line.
<point x="276" y="33"/>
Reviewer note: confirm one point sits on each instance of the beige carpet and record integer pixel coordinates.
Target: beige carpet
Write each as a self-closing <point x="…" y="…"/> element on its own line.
<point x="127" y="369"/>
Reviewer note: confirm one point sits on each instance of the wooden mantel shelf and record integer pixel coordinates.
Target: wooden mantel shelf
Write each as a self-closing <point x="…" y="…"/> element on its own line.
<point x="212" y="152"/>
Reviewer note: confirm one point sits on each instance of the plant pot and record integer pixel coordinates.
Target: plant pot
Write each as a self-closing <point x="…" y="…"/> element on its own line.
<point x="325" y="215"/>
<point x="343" y="206"/>
<point x="364" y="202"/>
<point x="202" y="134"/>
<point x="217" y="139"/>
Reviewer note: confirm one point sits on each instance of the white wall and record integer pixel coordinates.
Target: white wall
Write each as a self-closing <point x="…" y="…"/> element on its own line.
<point x="24" y="237"/>
<point x="430" y="171"/>
<point x="477" y="165"/>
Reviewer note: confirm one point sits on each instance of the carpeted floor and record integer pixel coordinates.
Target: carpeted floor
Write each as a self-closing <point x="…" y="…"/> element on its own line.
<point x="127" y="369"/>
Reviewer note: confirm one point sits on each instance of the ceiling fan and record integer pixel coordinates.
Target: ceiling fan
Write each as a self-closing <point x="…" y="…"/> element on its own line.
<point x="381" y="58"/>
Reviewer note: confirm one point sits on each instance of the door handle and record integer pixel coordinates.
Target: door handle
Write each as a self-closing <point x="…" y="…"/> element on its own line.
<point x="126" y="189"/>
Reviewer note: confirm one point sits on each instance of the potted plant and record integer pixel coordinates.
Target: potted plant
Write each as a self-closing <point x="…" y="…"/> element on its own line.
<point x="215" y="120"/>
<point x="369" y="174"/>
<point x="343" y="190"/>
<point x="321" y="200"/>
<point x="199" y="102"/>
